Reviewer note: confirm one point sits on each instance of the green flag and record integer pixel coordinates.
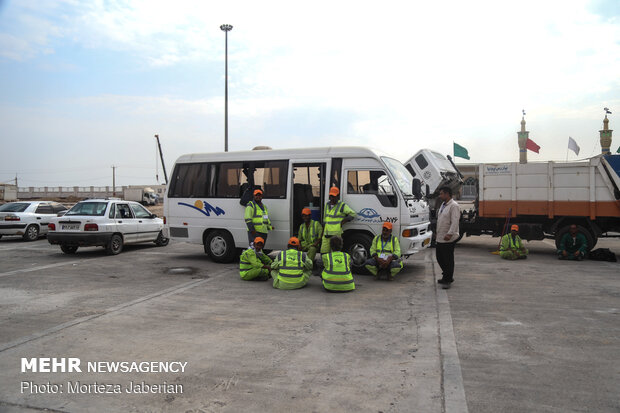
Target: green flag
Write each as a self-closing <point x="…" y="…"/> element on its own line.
<point x="460" y="151"/>
<point x="618" y="151"/>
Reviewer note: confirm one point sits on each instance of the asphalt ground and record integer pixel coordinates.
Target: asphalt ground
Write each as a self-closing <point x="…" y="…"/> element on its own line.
<point x="534" y="335"/>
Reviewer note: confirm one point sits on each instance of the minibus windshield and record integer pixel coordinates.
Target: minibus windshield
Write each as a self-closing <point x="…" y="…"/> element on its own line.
<point x="401" y="174"/>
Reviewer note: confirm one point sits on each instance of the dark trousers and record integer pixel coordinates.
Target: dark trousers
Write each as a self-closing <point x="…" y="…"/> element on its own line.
<point x="445" y="258"/>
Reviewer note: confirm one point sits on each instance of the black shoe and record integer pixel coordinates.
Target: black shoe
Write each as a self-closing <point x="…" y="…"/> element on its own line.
<point x="446" y="286"/>
<point x="441" y="281"/>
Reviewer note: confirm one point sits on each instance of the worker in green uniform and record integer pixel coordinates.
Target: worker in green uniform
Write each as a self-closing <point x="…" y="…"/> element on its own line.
<point x="512" y="247"/>
<point x="254" y="264"/>
<point x="385" y="253"/>
<point x="573" y="245"/>
<point x="335" y="215"/>
<point x="336" y="273"/>
<point x="257" y="218"/>
<point x="309" y="234"/>
<point x="292" y="267"/>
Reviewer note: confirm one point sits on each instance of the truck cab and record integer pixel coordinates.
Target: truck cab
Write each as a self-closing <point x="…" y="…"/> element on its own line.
<point x="434" y="171"/>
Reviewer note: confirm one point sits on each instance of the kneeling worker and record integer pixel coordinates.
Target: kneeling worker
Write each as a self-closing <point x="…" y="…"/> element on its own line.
<point x="254" y="264"/>
<point x="385" y="253"/>
<point x="512" y="246"/>
<point x="309" y="234"/>
<point x="292" y="268"/>
<point x="337" y="275"/>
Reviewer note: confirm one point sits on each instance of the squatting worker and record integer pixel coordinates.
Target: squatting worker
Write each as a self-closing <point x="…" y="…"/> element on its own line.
<point x="335" y="214"/>
<point x="292" y="267"/>
<point x="385" y="253"/>
<point x="254" y="264"/>
<point x="257" y="218"/>
<point x="336" y="273"/>
<point x="573" y="245"/>
<point x="512" y="246"/>
<point x="448" y="218"/>
<point x="309" y="234"/>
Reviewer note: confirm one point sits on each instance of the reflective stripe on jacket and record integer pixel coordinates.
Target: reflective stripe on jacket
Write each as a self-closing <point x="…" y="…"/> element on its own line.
<point x="333" y="216"/>
<point x="250" y="260"/>
<point x="508" y="243"/>
<point x="337" y="272"/>
<point x="291" y="268"/>
<point x="309" y="235"/>
<point x="391" y="247"/>
<point x="254" y="217"/>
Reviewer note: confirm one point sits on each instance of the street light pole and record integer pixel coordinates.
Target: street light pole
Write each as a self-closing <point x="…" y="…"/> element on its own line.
<point x="226" y="28"/>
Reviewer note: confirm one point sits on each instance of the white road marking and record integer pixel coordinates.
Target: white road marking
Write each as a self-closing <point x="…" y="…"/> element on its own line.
<point x="37" y="268"/>
<point x="453" y="388"/>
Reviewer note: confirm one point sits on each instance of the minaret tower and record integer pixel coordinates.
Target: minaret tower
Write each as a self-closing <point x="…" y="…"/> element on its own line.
<point x="523" y="135"/>
<point x="606" y="135"/>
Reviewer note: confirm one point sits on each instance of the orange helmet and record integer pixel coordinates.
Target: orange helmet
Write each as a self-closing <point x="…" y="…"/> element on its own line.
<point x="306" y="211"/>
<point x="387" y="225"/>
<point x="293" y="241"/>
<point x="334" y="191"/>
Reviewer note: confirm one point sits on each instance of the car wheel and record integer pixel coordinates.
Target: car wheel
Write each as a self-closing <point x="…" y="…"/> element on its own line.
<point x="358" y="247"/>
<point x="161" y="241"/>
<point x="221" y="246"/>
<point x="32" y="233"/>
<point x="68" y="249"/>
<point x="115" y="246"/>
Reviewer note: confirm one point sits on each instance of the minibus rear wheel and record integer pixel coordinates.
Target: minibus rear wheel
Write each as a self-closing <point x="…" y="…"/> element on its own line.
<point x="357" y="245"/>
<point x="220" y="246"/>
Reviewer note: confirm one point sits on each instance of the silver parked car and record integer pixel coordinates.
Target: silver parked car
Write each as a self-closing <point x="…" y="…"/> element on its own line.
<point x="28" y="218"/>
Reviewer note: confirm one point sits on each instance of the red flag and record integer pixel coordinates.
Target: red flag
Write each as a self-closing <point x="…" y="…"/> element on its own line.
<point x="531" y="145"/>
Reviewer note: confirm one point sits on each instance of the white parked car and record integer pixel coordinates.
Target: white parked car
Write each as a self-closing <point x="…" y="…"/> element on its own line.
<point x="28" y="218"/>
<point x="110" y="223"/>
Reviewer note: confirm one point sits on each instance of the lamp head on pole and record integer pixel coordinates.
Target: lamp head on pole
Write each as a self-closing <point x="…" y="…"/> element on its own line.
<point x="607" y="111"/>
<point x="226" y="27"/>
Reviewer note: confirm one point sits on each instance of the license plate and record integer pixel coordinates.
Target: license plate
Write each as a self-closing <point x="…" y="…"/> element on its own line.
<point x="70" y="227"/>
<point x="426" y="242"/>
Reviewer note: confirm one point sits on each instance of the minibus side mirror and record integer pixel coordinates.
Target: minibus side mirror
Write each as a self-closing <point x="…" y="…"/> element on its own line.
<point x="416" y="188"/>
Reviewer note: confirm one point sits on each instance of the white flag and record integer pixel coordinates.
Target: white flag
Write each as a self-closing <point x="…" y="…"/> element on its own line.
<point x="572" y="145"/>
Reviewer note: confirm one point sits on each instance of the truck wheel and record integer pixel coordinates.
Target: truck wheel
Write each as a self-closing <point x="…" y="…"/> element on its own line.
<point x="221" y="246"/>
<point x="566" y="229"/>
<point x="358" y="247"/>
<point x="68" y="249"/>
<point x="115" y="246"/>
<point x="31" y="233"/>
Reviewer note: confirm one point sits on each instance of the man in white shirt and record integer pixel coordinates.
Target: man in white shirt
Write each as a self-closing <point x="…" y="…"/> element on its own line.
<point x="448" y="218"/>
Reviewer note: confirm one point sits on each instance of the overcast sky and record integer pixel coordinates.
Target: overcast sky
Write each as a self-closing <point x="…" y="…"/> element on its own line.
<point x="86" y="84"/>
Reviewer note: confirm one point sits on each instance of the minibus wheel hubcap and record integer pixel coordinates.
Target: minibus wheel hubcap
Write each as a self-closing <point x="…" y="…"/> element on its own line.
<point x="218" y="246"/>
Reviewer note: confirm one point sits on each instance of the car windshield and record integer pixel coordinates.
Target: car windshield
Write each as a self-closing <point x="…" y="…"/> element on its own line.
<point x="14" y="207"/>
<point x="88" y="208"/>
<point x="401" y="174"/>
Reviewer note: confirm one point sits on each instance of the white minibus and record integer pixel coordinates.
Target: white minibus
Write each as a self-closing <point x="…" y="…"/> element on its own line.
<point x="205" y="197"/>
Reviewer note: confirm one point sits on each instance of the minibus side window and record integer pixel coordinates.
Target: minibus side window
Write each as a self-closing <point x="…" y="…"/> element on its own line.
<point x="229" y="180"/>
<point x="375" y="183"/>
<point x="271" y="177"/>
<point x="189" y="181"/>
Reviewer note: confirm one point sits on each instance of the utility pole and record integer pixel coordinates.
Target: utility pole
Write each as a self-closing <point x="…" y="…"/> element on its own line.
<point x="162" y="159"/>
<point x="113" y="181"/>
<point x="226" y="28"/>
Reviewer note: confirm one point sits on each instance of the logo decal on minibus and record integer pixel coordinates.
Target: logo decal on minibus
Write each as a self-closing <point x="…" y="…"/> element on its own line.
<point x="368" y="213"/>
<point x="205" y="207"/>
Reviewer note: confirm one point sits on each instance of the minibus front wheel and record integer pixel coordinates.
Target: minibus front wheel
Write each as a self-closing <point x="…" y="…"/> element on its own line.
<point x="220" y="246"/>
<point x="357" y="245"/>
